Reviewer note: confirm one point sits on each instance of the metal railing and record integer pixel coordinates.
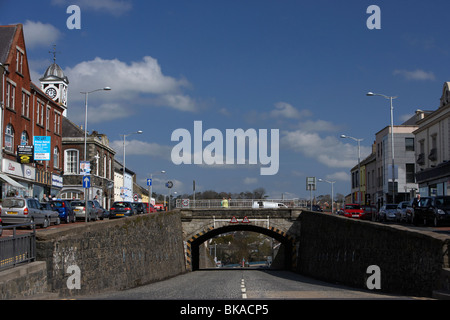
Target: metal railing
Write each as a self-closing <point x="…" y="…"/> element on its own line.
<point x="235" y="203"/>
<point x="18" y="248"/>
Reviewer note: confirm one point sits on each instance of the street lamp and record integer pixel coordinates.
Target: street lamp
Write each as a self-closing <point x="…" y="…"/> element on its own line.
<point x="332" y="192"/>
<point x="86" y="94"/>
<point x="151" y="183"/>
<point x="343" y="136"/>
<point x="124" y="136"/>
<point x="371" y="94"/>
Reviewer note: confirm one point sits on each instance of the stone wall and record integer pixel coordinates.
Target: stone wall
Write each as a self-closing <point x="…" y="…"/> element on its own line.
<point x="339" y="249"/>
<point x="112" y="255"/>
<point x="23" y="281"/>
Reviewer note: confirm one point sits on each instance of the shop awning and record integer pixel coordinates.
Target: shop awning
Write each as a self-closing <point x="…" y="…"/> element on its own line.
<point x="12" y="182"/>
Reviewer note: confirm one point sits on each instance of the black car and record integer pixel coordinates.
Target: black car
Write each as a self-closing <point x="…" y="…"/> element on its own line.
<point x="139" y="207"/>
<point x="121" y="209"/>
<point x="434" y="209"/>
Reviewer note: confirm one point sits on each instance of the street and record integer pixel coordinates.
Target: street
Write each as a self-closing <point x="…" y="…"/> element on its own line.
<point x="241" y="284"/>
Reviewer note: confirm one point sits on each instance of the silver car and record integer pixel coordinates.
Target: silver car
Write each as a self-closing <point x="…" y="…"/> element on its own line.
<point x="20" y="210"/>
<point x="80" y="210"/>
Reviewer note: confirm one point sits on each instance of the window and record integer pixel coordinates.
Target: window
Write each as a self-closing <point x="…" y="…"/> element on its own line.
<point x="56" y="157"/>
<point x="24" y="138"/>
<point x="47" y="119"/>
<point x="71" y="162"/>
<point x="25" y="104"/>
<point x="409" y="144"/>
<point x="10" y="95"/>
<point x="19" y="60"/>
<point x="9" y="138"/>
<point x="57" y="123"/>
<point x="410" y="171"/>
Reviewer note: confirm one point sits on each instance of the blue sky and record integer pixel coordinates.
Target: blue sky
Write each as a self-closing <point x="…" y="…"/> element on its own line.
<point x="302" y="67"/>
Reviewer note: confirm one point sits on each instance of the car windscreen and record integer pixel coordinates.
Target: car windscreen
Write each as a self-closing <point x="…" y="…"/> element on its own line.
<point x="77" y="204"/>
<point x="121" y="204"/>
<point x="352" y="206"/>
<point x="13" y="203"/>
<point x="58" y="204"/>
<point x="391" y="206"/>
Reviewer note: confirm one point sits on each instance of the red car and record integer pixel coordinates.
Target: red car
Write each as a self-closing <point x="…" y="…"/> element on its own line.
<point x="149" y="207"/>
<point x="353" y="210"/>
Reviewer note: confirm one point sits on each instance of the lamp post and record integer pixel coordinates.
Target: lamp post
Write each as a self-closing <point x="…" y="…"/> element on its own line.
<point x="343" y="136"/>
<point x="86" y="94"/>
<point x="371" y="94"/>
<point x="151" y="184"/>
<point x="332" y="192"/>
<point x="124" y="167"/>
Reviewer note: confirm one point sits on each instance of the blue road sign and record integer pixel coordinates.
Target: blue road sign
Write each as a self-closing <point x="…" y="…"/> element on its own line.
<point x="149" y="182"/>
<point x="86" y="182"/>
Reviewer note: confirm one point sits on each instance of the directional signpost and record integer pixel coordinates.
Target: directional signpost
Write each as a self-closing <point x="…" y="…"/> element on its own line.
<point x="86" y="182"/>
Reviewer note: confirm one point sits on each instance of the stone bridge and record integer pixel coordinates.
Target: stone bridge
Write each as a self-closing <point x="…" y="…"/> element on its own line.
<point x="200" y="225"/>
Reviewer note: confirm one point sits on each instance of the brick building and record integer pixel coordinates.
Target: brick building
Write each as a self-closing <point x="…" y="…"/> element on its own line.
<point x="26" y="112"/>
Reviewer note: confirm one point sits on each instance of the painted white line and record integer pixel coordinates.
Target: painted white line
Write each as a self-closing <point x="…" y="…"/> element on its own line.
<point x="243" y="289"/>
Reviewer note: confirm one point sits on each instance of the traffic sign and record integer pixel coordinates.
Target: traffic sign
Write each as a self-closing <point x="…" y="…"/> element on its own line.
<point x="87" y="182"/>
<point x="233" y="220"/>
<point x="149" y="182"/>
<point x="245" y="220"/>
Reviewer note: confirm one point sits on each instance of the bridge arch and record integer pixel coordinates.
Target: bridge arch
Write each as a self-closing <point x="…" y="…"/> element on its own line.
<point x="193" y="244"/>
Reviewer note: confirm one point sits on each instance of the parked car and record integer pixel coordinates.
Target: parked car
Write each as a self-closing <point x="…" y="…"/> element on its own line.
<point x="352" y="210"/>
<point x="1" y="227"/>
<point x="402" y="214"/>
<point x="101" y="212"/>
<point x="52" y="213"/>
<point x="139" y="207"/>
<point x="317" y="208"/>
<point x="435" y="209"/>
<point x="80" y="210"/>
<point x="387" y="212"/>
<point x="20" y="210"/>
<point x="65" y="210"/>
<point x="121" y="209"/>
<point x="369" y="212"/>
<point x="149" y="207"/>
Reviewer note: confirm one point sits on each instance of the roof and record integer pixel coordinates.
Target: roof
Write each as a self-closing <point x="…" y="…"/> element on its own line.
<point x="6" y="38"/>
<point x="54" y="73"/>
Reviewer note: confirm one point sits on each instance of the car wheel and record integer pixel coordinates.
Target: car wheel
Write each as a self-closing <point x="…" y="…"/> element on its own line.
<point x="435" y="222"/>
<point x="1" y="229"/>
<point x="46" y="223"/>
<point x="32" y="222"/>
<point x="58" y="221"/>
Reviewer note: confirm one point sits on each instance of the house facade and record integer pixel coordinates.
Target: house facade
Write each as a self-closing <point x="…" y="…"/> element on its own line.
<point x="31" y="135"/>
<point x="433" y="149"/>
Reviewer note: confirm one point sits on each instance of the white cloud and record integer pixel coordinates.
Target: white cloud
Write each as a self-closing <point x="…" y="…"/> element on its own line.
<point x="115" y="7"/>
<point x="248" y="181"/>
<point x="415" y="75"/>
<point x="338" y="176"/>
<point x="38" y="34"/>
<point x="142" y="82"/>
<point x="285" y="110"/>
<point x="137" y="147"/>
<point x="329" y="151"/>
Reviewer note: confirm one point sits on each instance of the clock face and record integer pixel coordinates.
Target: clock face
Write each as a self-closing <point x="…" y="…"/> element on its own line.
<point x="51" y="92"/>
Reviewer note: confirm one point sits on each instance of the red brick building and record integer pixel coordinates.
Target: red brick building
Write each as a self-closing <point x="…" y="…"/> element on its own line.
<point x="28" y="112"/>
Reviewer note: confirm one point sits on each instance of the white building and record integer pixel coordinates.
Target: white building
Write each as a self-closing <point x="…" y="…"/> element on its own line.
<point x="433" y="148"/>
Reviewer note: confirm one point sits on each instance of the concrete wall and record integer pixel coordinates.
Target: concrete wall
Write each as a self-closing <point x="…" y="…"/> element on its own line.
<point x="113" y="255"/>
<point x="339" y="249"/>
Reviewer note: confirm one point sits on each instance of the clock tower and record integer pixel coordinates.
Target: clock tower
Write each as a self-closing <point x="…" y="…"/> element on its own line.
<point x="55" y="84"/>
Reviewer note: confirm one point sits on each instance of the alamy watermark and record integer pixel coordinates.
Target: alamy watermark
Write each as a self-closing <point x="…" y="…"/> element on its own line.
<point x="190" y="149"/>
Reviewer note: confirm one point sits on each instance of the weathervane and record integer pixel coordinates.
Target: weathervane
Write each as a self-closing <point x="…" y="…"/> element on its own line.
<point x="54" y="53"/>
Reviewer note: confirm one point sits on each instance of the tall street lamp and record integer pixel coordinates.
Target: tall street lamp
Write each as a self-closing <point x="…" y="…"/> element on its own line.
<point x="86" y="94"/>
<point x="371" y="94"/>
<point x="332" y="192"/>
<point x="343" y="136"/>
<point x="124" y="167"/>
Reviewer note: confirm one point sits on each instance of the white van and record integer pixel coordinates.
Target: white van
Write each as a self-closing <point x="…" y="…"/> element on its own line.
<point x="266" y="204"/>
